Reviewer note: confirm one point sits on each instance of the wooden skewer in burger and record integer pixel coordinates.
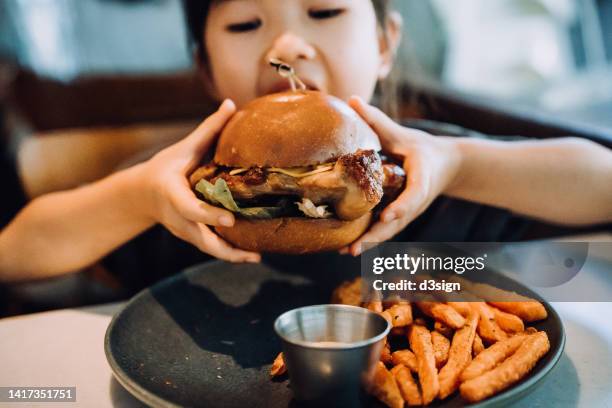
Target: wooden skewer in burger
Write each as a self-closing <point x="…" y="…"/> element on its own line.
<point x="300" y="170"/>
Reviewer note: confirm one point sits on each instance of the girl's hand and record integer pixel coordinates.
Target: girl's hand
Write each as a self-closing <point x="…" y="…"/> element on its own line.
<point x="170" y="200"/>
<point x="431" y="164"/>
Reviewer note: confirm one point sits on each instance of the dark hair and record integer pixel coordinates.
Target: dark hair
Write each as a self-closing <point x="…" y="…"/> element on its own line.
<point x="196" y="13"/>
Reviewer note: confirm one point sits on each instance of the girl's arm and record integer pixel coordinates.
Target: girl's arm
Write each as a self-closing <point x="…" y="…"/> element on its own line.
<point x="564" y="181"/>
<point x="66" y="231"/>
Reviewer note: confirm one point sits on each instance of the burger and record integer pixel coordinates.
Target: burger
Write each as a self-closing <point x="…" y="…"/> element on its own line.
<point x="301" y="171"/>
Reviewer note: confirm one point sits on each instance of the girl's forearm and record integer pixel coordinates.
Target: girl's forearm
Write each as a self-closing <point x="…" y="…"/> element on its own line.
<point x="66" y="231"/>
<point x="565" y="181"/>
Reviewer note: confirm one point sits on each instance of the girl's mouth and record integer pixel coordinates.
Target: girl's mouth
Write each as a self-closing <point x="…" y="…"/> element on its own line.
<point x="284" y="85"/>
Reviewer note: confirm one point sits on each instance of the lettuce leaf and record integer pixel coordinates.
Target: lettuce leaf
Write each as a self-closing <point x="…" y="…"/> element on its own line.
<point x="220" y="195"/>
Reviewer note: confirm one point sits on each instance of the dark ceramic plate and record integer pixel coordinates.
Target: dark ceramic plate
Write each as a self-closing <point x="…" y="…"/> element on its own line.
<point x="205" y="336"/>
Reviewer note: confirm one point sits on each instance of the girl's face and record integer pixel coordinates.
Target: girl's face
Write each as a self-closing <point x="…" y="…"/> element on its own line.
<point x="334" y="46"/>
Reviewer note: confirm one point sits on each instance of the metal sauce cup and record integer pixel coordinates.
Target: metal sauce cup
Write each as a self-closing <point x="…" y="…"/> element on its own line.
<point x="331" y="351"/>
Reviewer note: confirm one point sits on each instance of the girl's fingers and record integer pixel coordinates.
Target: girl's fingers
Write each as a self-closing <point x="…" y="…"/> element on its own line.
<point x="379" y="232"/>
<point x="407" y="207"/>
<point x="393" y="137"/>
<point x="190" y="207"/>
<point x="201" y="139"/>
<point x="217" y="247"/>
<point x="385" y="127"/>
<point x="404" y="212"/>
<point x="207" y="241"/>
<point x="401" y="212"/>
<point x="413" y="195"/>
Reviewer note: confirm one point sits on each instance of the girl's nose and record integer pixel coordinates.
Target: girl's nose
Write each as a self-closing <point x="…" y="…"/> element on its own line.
<point x="289" y="47"/>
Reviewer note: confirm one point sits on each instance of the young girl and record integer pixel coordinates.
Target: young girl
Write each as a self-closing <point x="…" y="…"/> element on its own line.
<point x="343" y="47"/>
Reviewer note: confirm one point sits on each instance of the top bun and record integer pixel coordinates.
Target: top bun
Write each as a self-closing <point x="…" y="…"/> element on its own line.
<point x="292" y="129"/>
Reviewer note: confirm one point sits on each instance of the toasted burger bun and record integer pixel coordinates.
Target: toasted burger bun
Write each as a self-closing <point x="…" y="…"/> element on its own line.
<point x="292" y="129"/>
<point x="293" y="235"/>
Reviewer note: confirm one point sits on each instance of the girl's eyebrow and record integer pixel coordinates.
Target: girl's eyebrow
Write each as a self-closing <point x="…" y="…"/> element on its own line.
<point x="219" y="2"/>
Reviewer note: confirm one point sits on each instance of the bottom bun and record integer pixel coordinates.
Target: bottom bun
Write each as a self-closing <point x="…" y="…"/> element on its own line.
<point x="294" y="235"/>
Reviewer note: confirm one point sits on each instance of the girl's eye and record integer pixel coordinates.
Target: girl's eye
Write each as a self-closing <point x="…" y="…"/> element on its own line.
<point x="325" y="13"/>
<point x="244" y="27"/>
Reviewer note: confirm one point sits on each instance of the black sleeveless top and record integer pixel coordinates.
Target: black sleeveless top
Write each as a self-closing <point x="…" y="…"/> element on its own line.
<point x="13" y="196"/>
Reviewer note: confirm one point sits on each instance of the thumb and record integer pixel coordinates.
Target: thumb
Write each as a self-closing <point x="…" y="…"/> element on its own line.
<point x="201" y="139"/>
<point x="387" y="130"/>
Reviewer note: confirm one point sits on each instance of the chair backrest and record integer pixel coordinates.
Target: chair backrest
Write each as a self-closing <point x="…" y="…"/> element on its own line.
<point x="64" y="159"/>
<point x="490" y="118"/>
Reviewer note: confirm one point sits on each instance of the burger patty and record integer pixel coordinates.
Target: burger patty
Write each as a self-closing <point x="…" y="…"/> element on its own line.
<point x="353" y="187"/>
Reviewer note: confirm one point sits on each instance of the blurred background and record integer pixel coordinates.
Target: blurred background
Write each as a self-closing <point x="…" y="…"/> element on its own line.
<point x="90" y="86"/>
<point x="554" y="55"/>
